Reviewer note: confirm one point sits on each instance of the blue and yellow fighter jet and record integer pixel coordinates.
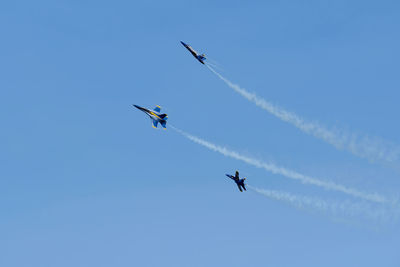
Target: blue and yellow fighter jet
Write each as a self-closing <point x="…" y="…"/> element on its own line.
<point x="200" y="58"/>
<point x="238" y="181"/>
<point x="155" y="116"/>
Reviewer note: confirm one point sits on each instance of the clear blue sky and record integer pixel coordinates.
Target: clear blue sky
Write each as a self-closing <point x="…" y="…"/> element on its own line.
<point x="86" y="181"/>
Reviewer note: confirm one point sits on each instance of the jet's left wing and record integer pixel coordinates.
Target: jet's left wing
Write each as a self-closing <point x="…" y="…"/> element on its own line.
<point x="157" y="109"/>
<point x="230" y="176"/>
<point x="233" y="177"/>
<point x="155" y="123"/>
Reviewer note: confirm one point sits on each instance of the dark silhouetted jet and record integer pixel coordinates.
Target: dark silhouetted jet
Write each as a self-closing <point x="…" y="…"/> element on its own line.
<point x="155" y="116"/>
<point x="200" y="58"/>
<point x="238" y="181"/>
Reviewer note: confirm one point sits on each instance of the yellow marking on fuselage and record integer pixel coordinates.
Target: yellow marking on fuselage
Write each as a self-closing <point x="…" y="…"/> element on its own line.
<point x="152" y="113"/>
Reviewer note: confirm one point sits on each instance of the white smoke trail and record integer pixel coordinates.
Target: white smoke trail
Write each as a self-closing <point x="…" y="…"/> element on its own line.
<point x="283" y="171"/>
<point x="213" y="65"/>
<point x="372" y="149"/>
<point x="347" y="208"/>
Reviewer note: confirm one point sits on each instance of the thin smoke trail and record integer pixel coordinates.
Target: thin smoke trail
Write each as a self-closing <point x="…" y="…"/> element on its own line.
<point x="370" y="148"/>
<point x="346" y="208"/>
<point x="283" y="171"/>
<point x="213" y="63"/>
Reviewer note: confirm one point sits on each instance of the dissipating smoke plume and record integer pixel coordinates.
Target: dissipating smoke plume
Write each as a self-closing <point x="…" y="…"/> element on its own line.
<point x="335" y="208"/>
<point x="369" y="148"/>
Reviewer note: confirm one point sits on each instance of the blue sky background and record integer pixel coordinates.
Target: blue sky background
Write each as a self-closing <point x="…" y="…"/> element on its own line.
<point x="86" y="181"/>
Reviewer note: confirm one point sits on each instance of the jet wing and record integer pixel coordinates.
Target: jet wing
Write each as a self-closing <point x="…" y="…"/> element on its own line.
<point x="200" y="59"/>
<point x="157" y="109"/>
<point x="237" y="175"/>
<point x="231" y="176"/>
<point x="155" y="124"/>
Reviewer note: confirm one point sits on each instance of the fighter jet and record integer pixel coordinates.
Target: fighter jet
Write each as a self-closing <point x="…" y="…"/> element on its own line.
<point x="200" y="58"/>
<point x="155" y="116"/>
<point x="238" y="181"/>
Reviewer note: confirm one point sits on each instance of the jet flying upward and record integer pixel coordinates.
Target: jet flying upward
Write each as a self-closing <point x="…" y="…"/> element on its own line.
<point x="200" y="58"/>
<point x="155" y="116"/>
<point x="238" y="181"/>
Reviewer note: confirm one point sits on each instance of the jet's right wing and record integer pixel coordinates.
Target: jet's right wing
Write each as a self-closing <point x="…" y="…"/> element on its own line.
<point x="155" y="123"/>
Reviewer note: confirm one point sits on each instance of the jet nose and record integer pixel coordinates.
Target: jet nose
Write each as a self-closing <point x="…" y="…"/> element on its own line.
<point x="183" y="43"/>
<point x="136" y="106"/>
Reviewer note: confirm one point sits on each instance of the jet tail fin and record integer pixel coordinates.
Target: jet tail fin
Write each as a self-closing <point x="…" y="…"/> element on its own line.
<point x="163" y="116"/>
<point x="164" y="124"/>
